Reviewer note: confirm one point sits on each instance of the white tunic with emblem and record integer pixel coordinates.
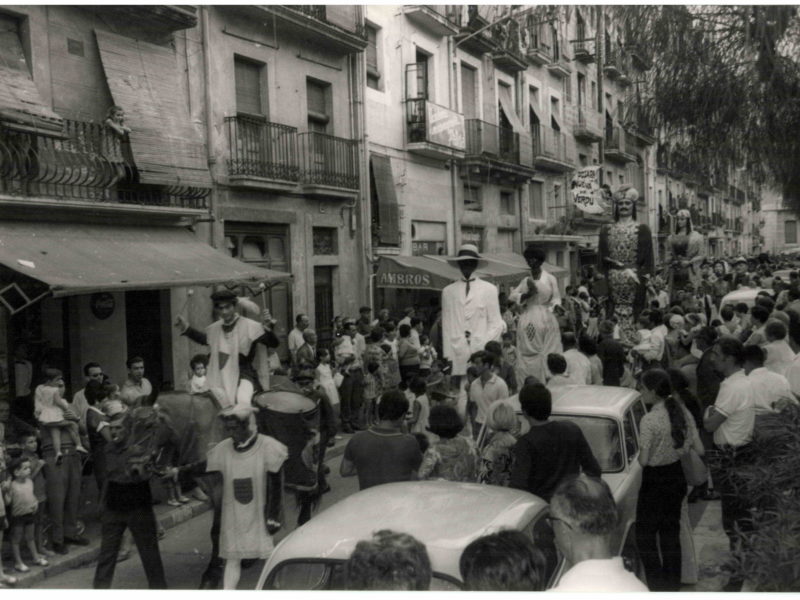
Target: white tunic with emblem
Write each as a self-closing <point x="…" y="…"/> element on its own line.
<point x="243" y="532"/>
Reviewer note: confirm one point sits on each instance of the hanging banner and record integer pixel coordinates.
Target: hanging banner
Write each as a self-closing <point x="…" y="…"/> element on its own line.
<point x="586" y="192"/>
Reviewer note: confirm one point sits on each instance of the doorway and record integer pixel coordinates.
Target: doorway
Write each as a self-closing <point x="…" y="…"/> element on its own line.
<point x="323" y="305"/>
<point x="143" y="324"/>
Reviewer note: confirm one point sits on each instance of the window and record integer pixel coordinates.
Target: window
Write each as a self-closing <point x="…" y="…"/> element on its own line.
<point x="428" y="237"/>
<point x="790" y="229"/>
<point x="593" y="100"/>
<point x="620" y="111"/>
<point x="325" y="241"/>
<point x="583" y="160"/>
<point x="318" y="100"/>
<point x="423" y="74"/>
<point x="639" y="411"/>
<point x="631" y="440"/>
<point x="248" y="81"/>
<point x="555" y="108"/>
<point x="536" y="200"/>
<point x="507" y="203"/>
<point x="581" y="89"/>
<point x="533" y="91"/>
<point x="472" y="235"/>
<point x="567" y="89"/>
<point x="373" y="69"/>
<point x="545" y="540"/>
<point x="469" y="93"/>
<point x="472" y="198"/>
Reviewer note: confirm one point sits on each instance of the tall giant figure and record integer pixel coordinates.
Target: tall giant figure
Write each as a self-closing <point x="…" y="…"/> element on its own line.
<point x="685" y="253"/>
<point x="626" y="258"/>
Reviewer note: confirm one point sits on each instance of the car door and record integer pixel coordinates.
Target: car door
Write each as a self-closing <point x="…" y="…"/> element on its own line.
<point x="540" y="531"/>
<point x="629" y="489"/>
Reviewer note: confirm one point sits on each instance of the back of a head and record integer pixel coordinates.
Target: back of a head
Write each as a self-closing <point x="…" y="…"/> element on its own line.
<point x="404" y="330"/>
<point x="741" y="308"/>
<point x="502" y="417"/>
<point x="760" y="313"/>
<point x="568" y="340"/>
<point x="587" y="505"/>
<point x="556" y="364"/>
<point x="536" y="401"/>
<point x="587" y="345"/>
<point x="494" y="347"/>
<point x="766" y="302"/>
<point x="95" y="392"/>
<point x="730" y="346"/>
<point x="393" y="405"/>
<point x="390" y="561"/>
<point x="534" y="252"/>
<point x="707" y="334"/>
<point x="726" y="313"/>
<point x="607" y="328"/>
<point x="506" y="561"/>
<point x="754" y="355"/>
<point x="443" y="420"/>
<point x="775" y="330"/>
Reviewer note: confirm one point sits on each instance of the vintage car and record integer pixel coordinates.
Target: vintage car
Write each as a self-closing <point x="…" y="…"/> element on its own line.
<point x="746" y="295"/>
<point x="609" y="419"/>
<point x="444" y="515"/>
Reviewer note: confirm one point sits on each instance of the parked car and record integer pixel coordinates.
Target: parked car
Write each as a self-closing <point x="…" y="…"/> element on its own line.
<point x="609" y="419"/>
<point x="746" y="295"/>
<point x="444" y="515"/>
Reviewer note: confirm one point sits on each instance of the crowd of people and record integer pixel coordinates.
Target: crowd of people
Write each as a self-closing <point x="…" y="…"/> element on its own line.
<point x="438" y="395"/>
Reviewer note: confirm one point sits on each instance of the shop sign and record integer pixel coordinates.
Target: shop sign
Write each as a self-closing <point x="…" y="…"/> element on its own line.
<point x="404" y="279"/>
<point x="102" y="305"/>
<point x="445" y="127"/>
<point x="422" y="248"/>
<point x="586" y="192"/>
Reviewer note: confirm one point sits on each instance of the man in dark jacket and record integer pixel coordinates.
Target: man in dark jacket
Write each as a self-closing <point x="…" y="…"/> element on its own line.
<point x="611" y="354"/>
<point x="551" y="450"/>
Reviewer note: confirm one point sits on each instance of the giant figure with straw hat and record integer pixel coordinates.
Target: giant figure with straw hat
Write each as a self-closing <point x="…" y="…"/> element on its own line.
<point x="470" y="311"/>
<point x="238" y="364"/>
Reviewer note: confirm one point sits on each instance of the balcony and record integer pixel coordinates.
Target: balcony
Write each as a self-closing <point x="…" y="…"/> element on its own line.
<point x="441" y="20"/>
<point x="588" y="127"/>
<point x="639" y="57"/>
<point x="509" y="53"/>
<point x="538" y="50"/>
<point x="335" y="26"/>
<point x="611" y="66"/>
<point x="617" y="146"/>
<point x="584" y="50"/>
<point x="263" y="155"/>
<point x="86" y="169"/>
<point x="637" y="124"/>
<point x="468" y="38"/>
<point x="559" y="66"/>
<point x="493" y="150"/>
<point x="155" y="18"/>
<point x="550" y="150"/>
<point x="434" y="131"/>
<point x="328" y="165"/>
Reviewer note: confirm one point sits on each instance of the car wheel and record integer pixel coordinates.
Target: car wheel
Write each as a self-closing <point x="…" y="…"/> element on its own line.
<point x="630" y="556"/>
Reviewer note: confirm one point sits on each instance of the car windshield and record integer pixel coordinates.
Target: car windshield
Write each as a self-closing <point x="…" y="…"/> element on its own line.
<point x="321" y="575"/>
<point x="603" y="437"/>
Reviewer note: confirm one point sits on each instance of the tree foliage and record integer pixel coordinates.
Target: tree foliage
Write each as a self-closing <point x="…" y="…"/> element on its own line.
<point x="726" y="82"/>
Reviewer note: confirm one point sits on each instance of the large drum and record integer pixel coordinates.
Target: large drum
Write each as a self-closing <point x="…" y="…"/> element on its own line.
<point x="294" y="420"/>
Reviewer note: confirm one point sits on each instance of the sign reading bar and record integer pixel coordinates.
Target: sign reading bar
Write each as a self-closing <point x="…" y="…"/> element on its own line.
<point x="586" y="192"/>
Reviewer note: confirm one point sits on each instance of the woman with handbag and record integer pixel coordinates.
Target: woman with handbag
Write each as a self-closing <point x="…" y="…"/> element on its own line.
<point x="667" y="434"/>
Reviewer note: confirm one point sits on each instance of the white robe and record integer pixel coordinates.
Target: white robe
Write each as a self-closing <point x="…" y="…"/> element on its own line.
<point x="478" y="313"/>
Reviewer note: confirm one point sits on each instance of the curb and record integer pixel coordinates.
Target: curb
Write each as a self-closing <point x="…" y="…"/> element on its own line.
<point x="83" y="555"/>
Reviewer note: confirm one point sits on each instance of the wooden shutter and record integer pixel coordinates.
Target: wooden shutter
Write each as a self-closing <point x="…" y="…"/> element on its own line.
<point x="248" y="87"/>
<point x="468" y="104"/>
<point x="372" y="48"/>
<point x="388" y="211"/>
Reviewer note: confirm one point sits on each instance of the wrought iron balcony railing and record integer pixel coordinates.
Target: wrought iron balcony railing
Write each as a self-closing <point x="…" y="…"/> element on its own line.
<point x="88" y="162"/>
<point x="550" y="143"/>
<point x="486" y="139"/>
<point x="262" y="149"/>
<point x="328" y="160"/>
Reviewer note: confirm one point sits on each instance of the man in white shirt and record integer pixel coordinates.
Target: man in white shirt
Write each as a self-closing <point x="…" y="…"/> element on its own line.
<point x="296" y="340"/>
<point x="408" y="315"/>
<point x="91" y="371"/>
<point x="779" y="353"/>
<point x="137" y="388"/>
<point x="771" y="390"/>
<point x="584" y="520"/>
<point x="487" y="388"/>
<point x="731" y="419"/>
<point x="470" y="311"/>
<point x="759" y="315"/>
<point x="579" y="368"/>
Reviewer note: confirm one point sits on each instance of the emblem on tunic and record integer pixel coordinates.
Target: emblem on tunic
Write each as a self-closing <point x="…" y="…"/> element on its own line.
<point x="243" y="490"/>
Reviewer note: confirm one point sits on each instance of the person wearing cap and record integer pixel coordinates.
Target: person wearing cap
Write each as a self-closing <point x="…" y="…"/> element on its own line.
<point x="250" y="464"/>
<point x="238" y="362"/>
<point x="470" y="311"/>
<point x="538" y="333"/>
<point x="127" y="504"/>
<point x="741" y="278"/>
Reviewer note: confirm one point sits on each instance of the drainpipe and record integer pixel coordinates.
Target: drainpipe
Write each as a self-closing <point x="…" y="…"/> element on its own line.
<point x="210" y="158"/>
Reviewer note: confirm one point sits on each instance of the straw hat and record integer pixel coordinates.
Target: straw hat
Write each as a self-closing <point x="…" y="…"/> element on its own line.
<point x="467" y="252"/>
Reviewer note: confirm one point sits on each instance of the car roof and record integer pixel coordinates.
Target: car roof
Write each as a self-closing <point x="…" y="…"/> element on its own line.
<point x="598" y="400"/>
<point x="444" y="515"/>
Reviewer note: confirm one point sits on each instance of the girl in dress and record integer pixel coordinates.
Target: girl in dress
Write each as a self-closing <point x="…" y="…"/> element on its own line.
<point x="324" y="375"/>
<point x="49" y="409"/>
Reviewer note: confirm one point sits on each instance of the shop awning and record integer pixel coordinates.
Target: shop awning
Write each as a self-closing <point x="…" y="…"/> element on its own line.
<point x="143" y="79"/>
<point x="434" y="272"/>
<point x="388" y="210"/>
<point x="504" y="93"/>
<point x="75" y="259"/>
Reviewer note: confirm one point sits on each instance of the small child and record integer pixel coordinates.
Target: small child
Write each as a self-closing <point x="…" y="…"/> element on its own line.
<point x="49" y="411"/>
<point x="23" y="504"/>
<point x="324" y="376"/>
<point x="371" y="393"/>
<point x="420" y="407"/>
<point x="5" y="485"/>
<point x="30" y="444"/>
<point x="427" y="355"/>
<point x="557" y="366"/>
<point x="510" y="353"/>
<point x="636" y="356"/>
<point x="199" y="365"/>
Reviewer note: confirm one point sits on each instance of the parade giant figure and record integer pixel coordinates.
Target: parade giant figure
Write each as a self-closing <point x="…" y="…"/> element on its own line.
<point x="626" y="258"/>
<point x="685" y="254"/>
<point x="238" y="364"/>
<point x="470" y="312"/>
<point x="538" y="333"/>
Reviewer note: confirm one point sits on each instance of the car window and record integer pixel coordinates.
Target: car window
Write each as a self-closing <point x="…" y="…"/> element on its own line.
<point x="603" y="437"/>
<point x="306" y="575"/>
<point x="545" y="540"/>
<point x="631" y="437"/>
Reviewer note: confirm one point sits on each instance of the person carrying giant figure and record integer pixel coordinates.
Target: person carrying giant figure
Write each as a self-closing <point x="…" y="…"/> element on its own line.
<point x="684" y="255"/>
<point x="626" y="258"/>
<point x="238" y="364"/>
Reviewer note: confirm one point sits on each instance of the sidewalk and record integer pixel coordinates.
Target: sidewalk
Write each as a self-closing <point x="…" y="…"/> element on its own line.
<point x="167" y="516"/>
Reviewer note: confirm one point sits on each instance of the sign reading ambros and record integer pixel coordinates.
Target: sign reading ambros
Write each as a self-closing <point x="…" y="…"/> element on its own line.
<point x="413" y="280"/>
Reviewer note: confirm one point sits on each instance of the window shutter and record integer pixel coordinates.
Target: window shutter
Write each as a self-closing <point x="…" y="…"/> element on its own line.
<point x="248" y="87"/>
<point x="468" y="104"/>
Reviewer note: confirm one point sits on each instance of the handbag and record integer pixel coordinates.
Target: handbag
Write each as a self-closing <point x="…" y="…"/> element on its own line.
<point x="694" y="469"/>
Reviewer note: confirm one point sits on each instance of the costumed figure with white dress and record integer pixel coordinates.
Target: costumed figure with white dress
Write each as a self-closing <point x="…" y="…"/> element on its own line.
<point x="538" y="333"/>
<point x="238" y="363"/>
<point x="626" y="257"/>
<point x="685" y="254"/>
<point x="470" y="311"/>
